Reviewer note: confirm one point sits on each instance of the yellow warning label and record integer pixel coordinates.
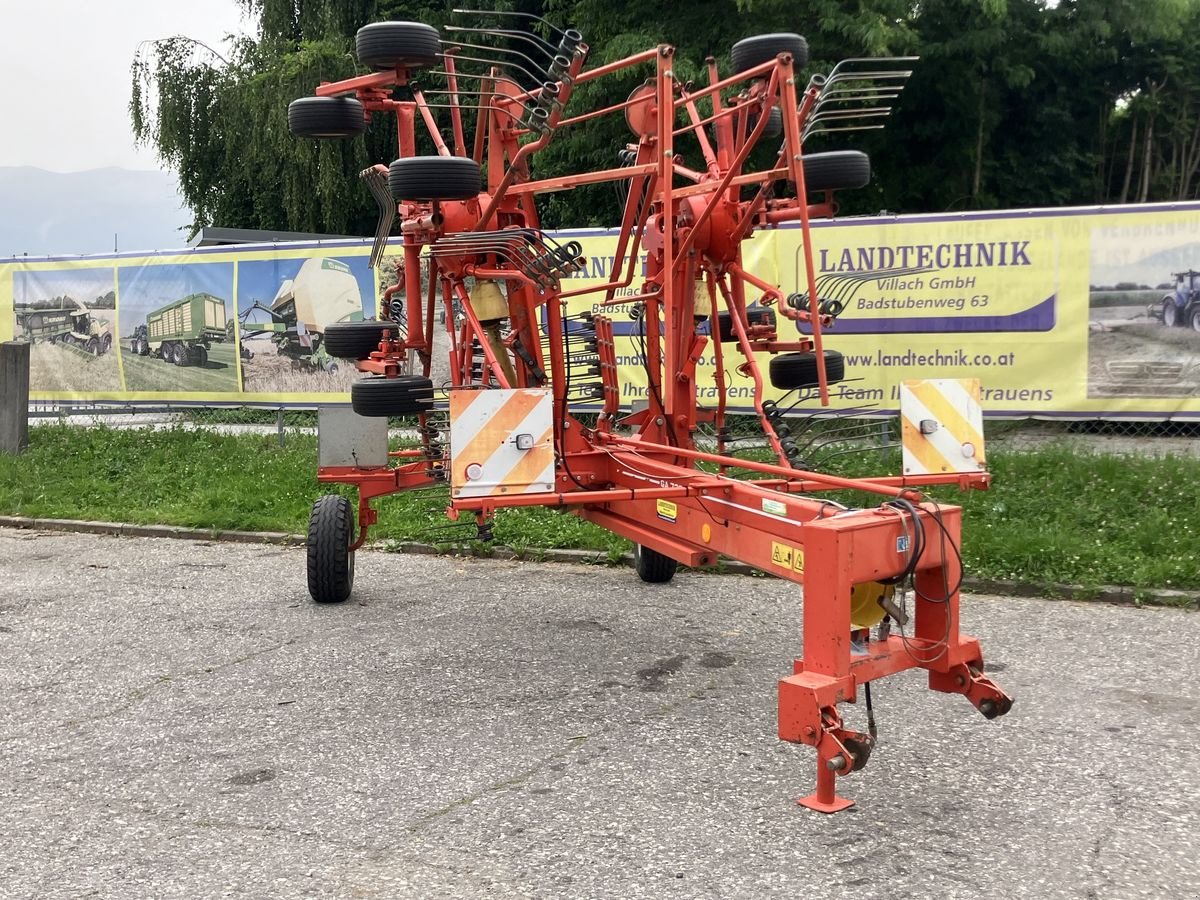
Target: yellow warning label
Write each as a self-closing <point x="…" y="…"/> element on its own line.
<point x="667" y="510"/>
<point x="781" y="554"/>
<point x="798" y="560"/>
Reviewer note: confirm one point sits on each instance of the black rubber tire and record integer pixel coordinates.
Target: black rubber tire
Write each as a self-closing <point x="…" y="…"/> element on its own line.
<point x="1194" y="318"/>
<point x="378" y="396"/>
<point x="106" y="343"/>
<point x="774" y="126"/>
<point x="181" y="355"/>
<point x="653" y="567"/>
<point x="799" y="370"/>
<point x="836" y="170"/>
<point x="201" y="356"/>
<point x="1170" y="316"/>
<point x="753" y="51"/>
<point x="397" y="45"/>
<point x="354" y="340"/>
<point x="133" y="346"/>
<point x="330" y="560"/>
<point x="756" y="315"/>
<point x="326" y="117"/>
<point x="435" y="178"/>
<point x="164" y="351"/>
<point x="143" y="347"/>
<point x="93" y="346"/>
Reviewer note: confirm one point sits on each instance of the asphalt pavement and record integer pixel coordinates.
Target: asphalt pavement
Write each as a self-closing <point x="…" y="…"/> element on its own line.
<point x="180" y="721"/>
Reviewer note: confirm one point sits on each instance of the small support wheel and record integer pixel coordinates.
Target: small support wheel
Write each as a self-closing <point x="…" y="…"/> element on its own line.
<point x="790" y="371"/>
<point x="330" y="559"/>
<point x="405" y="395"/>
<point x="398" y="45"/>
<point x="653" y="567"/>
<point x="836" y="170"/>
<point x="754" y="51"/>
<point x="326" y="117"/>
<point x="435" y="178"/>
<point x="356" y="340"/>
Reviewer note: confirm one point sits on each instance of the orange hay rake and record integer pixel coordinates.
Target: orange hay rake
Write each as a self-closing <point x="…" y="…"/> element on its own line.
<point x="472" y="243"/>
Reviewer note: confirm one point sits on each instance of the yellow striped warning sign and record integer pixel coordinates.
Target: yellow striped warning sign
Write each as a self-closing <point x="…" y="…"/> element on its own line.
<point x="501" y="442"/>
<point x="941" y="425"/>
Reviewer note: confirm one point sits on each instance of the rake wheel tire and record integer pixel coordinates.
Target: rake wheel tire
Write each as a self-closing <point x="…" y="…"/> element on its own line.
<point x="435" y="178"/>
<point x="799" y="370"/>
<point x="836" y="170"/>
<point x="653" y="567"/>
<point x="397" y="45"/>
<point x="759" y="316"/>
<point x="354" y="340"/>
<point x="379" y="396"/>
<point x="774" y="126"/>
<point x="326" y="117"/>
<point x="330" y="559"/>
<point x="754" y="51"/>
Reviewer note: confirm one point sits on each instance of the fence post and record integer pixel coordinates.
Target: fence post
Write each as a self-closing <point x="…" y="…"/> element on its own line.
<point x="14" y="396"/>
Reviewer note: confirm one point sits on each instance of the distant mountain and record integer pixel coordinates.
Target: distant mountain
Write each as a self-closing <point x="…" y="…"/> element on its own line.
<point x="64" y="214"/>
<point x="1152" y="269"/>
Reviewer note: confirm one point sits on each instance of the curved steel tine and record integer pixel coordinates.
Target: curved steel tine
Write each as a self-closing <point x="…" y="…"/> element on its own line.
<point x="513" y="100"/>
<point x="549" y="49"/>
<point x="497" y="62"/>
<point x="545" y="74"/>
<point x="499" y="13"/>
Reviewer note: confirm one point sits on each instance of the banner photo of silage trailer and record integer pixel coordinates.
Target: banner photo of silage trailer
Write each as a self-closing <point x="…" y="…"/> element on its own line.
<point x="1084" y="313"/>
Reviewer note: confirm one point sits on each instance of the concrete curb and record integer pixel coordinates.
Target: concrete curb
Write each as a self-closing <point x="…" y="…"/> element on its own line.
<point x="1125" y="596"/>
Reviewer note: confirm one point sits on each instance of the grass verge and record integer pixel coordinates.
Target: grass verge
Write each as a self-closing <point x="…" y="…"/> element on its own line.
<point x="1054" y="514"/>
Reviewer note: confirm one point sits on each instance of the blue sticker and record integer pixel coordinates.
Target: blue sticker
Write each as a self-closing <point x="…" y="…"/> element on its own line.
<point x="902" y="544"/>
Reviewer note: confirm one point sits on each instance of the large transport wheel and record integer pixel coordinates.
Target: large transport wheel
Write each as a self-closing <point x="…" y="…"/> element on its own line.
<point x="653" y="567"/>
<point x="397" y="45"/>
<point x="180" y="354"/>
<point x="755" y="315"/>
<point x="106" y="343"/>
<point x="93" y="346"/>
<point x="754" y="51"/>
<point x="326" y="117"/>
<point x="355" y="340"/>
<point x="1195" y="318"/>
<point x="330" y="559"/>
<point x="836" y="170"/>
<point x="403" y="396"/>
<point x="166" y="351"/>
<point x="202" y="356"/>
<point x="799" y="370"/>
<point x="1170" y="313"/>
<point x="435" y="178"/>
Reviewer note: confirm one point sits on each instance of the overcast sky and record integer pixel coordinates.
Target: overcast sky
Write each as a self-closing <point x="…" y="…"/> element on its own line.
<point x="64" y="75"/>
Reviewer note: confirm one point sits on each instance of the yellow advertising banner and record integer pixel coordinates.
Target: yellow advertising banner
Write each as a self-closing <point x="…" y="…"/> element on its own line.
<point x="1086" y="313"/>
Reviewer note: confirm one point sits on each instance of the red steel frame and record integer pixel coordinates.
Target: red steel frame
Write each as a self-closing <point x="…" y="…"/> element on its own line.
<point x="692" y="233"/>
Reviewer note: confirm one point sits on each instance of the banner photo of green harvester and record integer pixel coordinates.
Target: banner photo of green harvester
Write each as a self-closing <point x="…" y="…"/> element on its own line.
<point x="1085" y="313"/>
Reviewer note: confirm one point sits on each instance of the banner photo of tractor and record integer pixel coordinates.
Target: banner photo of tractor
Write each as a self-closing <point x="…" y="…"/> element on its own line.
<point x="1144" y="298"/>
<point x="284" y="306"/>
<point x="70" y="318"/>
<point x="178" y="333"/>
<point x="1077" y="313"/>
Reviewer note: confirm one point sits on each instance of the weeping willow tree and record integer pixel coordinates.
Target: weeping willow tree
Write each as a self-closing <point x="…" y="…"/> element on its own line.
<point x="220" y="120"/>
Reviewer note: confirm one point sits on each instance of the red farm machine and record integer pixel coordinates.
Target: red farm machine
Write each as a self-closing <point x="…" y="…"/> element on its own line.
<point x="472" y="244"/>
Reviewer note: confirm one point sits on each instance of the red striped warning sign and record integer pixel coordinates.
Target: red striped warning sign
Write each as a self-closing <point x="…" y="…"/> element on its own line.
<point x="941" y="423"/>
<point x="501" y="442"/>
